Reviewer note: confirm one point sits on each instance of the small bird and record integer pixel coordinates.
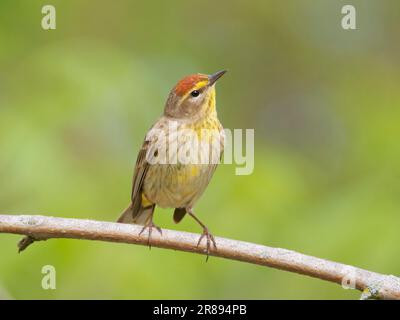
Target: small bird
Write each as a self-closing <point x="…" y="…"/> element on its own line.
<point x="190" y="107"/>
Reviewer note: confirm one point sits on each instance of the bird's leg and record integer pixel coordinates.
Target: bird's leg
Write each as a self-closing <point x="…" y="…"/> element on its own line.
<point x="150" y="225"/>
<point x="206" y="233"/>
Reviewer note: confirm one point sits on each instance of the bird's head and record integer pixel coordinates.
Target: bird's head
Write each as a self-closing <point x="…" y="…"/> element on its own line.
<point x="193" y="96"/>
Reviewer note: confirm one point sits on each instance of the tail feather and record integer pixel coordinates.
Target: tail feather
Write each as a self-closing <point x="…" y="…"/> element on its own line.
<point x="139" y="215"/>
<point x="126" y="215"/>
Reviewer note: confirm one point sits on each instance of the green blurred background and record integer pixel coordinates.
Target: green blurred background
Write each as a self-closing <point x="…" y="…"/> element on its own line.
<point x="76" y="102"/>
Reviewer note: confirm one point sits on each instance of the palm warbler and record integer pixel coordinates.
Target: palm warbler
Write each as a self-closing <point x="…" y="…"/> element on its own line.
<point x="179" y="155"/>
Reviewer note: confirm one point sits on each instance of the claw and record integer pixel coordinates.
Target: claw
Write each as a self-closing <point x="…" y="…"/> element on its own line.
<point x="150" y="225"/>
<point x="209" y="239"/>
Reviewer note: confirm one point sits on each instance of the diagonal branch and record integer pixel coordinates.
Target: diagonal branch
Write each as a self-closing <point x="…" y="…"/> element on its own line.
<point x="35" y="228"/>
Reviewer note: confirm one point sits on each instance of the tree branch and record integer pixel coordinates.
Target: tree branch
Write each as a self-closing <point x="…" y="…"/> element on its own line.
<point x="35" y="228"/>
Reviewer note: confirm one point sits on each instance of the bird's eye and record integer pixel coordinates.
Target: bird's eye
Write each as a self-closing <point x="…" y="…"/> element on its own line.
<point x="195" y="93"/>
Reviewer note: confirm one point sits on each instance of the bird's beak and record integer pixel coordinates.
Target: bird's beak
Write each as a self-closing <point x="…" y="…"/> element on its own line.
<point x="214" y="77"/>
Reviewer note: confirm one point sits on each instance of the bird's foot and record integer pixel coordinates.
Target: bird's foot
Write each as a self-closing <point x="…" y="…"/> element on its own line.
<point x="209" y="239"/>
<point x="150" y="225"/>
